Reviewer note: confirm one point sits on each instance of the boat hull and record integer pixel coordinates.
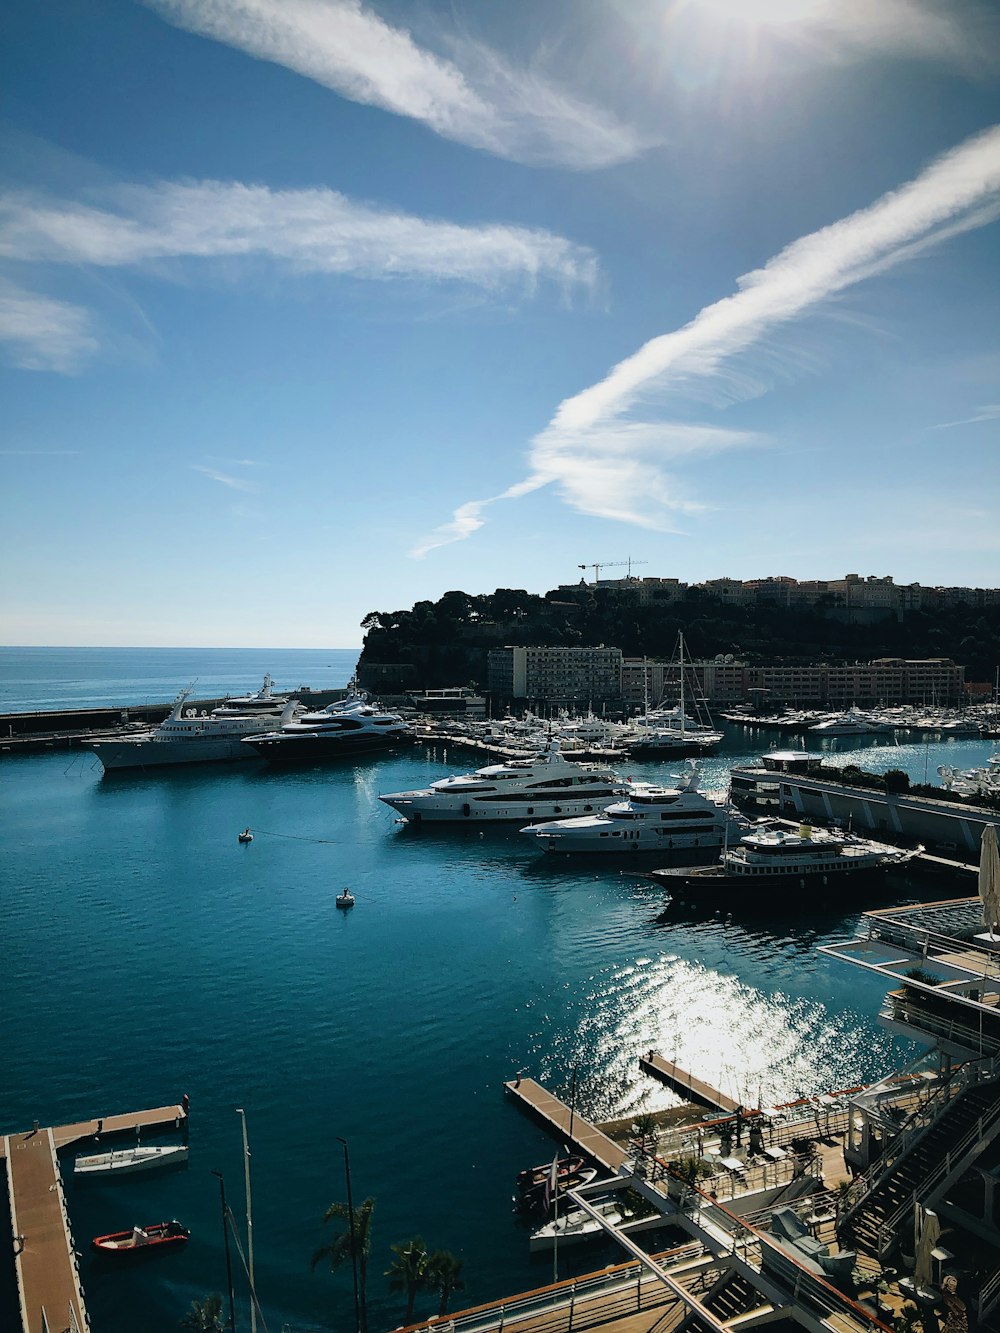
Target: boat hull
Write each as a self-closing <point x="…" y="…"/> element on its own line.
<point x="713" y="882"/>
<point x="305" y="749"/>
<point x="156" y="1237"/>
<point x="420" y="808"/>
<point x="130" y="1161"/>
<point x="117" y="755"/>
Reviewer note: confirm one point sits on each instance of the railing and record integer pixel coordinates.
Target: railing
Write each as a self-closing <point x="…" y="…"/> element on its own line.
<point x="951" y="1161"/>
<point x="969" y="1035"/>
<point x="989" y="1295"/>
<point x="562" y="1307"/>
<point x="912" y="1129"/>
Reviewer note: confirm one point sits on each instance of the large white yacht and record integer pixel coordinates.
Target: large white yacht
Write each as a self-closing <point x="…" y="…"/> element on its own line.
<point x="650" y="819"/>
<point x="542" y="786"/>
<point x="776" y="859"/>
<point x="189" y="737"/>
<point x="350" y="726"/>
<point x="852" y="723"/>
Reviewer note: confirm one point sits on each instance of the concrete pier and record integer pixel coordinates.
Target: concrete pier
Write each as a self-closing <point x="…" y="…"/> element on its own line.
<point x="569" y="1125"/>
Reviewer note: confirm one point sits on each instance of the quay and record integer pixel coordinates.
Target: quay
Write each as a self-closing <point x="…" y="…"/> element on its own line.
<point x="570" y="1126"/>
<point x="48" y="1279"/>
<point x="686" y="1084"/>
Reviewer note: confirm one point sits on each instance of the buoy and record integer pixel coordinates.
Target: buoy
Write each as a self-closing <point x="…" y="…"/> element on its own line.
<point x="245" y="836"/>
<point x="345" y="899"/>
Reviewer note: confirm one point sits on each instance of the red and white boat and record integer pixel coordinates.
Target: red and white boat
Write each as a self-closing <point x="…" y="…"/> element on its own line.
<point x="142" y="1240"/>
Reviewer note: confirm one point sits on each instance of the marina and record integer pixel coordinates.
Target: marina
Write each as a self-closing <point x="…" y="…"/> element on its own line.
<point x="289" y="1007"/>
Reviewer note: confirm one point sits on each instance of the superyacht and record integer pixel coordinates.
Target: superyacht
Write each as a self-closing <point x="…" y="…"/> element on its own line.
<point x="349" y="727"/>
<point x="187" y="736"/>
<point x="542" y="786"/>
<point x="780" y="861"/>
<point x="651" y="819"/>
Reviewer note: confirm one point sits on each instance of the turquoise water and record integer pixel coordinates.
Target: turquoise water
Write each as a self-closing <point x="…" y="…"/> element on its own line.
<point x="147" y="954"/>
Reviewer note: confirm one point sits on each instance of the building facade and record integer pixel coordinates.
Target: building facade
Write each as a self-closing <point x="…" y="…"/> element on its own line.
<point x="581" y="676"/>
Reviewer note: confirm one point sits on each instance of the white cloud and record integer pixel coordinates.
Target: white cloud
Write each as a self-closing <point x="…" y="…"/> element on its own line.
<point x="316" y="231"/>
<point x="990" y="413"/>
<point x="224" y="478"/>
<point x="43" y="334"/>
<point x="612" y="467"/>
<point x="477" y="99"/>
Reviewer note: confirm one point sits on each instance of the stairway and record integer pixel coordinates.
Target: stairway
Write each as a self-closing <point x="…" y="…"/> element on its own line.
<point x="729" y="1298"/>
<point x="934" y="1159"/>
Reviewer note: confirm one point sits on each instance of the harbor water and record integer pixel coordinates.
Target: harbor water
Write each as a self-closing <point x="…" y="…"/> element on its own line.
<point x="148" y="954"/>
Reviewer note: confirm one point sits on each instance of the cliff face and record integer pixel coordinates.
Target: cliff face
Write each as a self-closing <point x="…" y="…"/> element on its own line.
<point x="443" y="643"/>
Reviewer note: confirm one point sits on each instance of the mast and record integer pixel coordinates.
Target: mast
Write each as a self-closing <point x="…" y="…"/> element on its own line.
<point x="680" y="646"/>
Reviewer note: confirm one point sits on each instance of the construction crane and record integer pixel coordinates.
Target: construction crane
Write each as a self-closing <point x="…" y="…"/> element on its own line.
<point x="612" y="564"/>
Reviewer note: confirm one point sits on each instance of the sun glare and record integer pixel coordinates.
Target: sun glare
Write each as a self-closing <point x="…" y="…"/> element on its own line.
<point x="770" y="13"/>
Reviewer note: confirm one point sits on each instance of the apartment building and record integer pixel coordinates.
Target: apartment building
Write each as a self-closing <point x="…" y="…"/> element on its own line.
<point x="579" y="676"/>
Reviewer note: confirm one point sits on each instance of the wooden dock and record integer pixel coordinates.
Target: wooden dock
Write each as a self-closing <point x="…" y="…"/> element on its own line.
<point x="568" y="1124"/>
<point x="685" y="1084"/>
<point x="48" y="1281"/>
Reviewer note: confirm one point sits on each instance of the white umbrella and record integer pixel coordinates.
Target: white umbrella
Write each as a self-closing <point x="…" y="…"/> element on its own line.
<point x="989" y="878"/>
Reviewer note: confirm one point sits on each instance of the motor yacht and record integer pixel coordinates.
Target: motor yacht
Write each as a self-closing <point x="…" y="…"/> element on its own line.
<point x="651" y="819"/>
<point x="852" y="723"/>
<point x="349" y="727"/>
<point x="541" y="786"/>
<point x="773" y="858"/>
<point x="187" y="736"/>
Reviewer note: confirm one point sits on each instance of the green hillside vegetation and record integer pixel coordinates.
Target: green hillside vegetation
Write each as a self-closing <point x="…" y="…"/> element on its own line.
<point x="446" y="642"/>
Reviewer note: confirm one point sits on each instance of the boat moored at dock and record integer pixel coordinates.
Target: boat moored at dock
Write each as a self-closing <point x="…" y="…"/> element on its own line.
<point x="130" y="1161"/>
<point x="542" y="786"/>
<point x="778" y="860"/>
<point x="349" y="727"/>
<point x="651" y="819"/>
<point x="189" y="737"/>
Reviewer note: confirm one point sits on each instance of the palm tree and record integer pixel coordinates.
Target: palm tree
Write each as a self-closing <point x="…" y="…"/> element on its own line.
<point x="205" y="1316"/>
<point x="444" y="1274"/>
<point x="340" y="1250"/>
<point x="408" y="1271"/>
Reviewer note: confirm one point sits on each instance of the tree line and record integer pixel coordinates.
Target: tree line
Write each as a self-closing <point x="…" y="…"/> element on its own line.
<point x="446" y="642"/>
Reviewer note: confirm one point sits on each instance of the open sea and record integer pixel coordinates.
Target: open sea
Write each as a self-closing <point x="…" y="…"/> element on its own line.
<point x="145" y="954"/>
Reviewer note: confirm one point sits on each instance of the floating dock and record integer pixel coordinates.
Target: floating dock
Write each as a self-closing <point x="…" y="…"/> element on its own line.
<point x="48" y="1280"/>
<point x="692" y="1089"/>
<point x="567" y="1123"/>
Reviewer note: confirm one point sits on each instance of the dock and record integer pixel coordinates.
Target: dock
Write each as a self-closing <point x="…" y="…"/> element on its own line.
<point x="48" y="1279"/>
<point x="567" y="1123"/>
<point x="692" y="1089"/>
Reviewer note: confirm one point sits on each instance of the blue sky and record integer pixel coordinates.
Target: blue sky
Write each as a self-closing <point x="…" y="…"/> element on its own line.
<point x="310" y="308"/>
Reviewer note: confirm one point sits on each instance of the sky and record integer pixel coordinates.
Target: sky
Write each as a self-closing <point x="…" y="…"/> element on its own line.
<point x="313" y="308"/>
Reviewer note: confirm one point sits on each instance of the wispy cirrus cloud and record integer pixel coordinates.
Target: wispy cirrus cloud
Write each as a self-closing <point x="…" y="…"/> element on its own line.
<point x="475" y="98"/>
<point x="989" y="413"/>
<point x="40" y="333"/>
<point x="588" y="445"/>
<point x="211" y="222"/>
<point x="224" y="478"/>
<point x="312" y="231"/>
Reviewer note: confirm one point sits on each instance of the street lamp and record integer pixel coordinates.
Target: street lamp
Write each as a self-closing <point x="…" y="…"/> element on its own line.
<point x="354" y="1249"/>
<point x="229" y="1262"/>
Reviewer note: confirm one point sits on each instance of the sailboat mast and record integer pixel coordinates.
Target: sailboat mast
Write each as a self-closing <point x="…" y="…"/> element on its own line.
<point x="680" y="645"/>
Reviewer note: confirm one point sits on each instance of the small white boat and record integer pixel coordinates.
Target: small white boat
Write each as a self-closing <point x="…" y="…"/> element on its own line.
<point x="127" y="1161"/>
<point x="576" y="1226"/>
<point x="345" y="899"/>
